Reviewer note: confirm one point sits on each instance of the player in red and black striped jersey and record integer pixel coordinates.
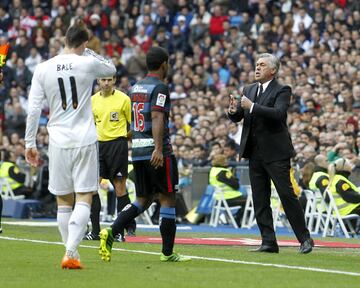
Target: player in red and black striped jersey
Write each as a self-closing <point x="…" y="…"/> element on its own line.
<point x="155" y="166"/>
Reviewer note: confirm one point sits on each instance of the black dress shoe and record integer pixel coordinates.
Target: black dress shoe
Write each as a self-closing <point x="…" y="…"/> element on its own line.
<point x="306" y="246"/>
<point x="267" y="248"/>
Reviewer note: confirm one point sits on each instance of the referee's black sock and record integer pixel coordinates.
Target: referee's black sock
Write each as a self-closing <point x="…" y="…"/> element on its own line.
<point x="122" y="201"/>
<point x="95" y="214"/>
<point x="127" y="214"/>
<point x="167" y="229"/>
<point x="111" y="198"/>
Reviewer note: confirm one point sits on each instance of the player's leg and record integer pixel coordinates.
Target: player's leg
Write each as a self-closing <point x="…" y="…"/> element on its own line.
<point x="166" y="181"/>
<point x="65" y="204"/>
<point x="85" y="178"/>
<point x="130" y="211"/>
<point x="128" y="214"/>
<point x="78" y="221"/>
<point x="62" y="186"/>
<point x="122" y="200"/>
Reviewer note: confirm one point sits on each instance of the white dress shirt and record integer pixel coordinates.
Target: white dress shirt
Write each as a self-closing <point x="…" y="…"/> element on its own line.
<point x="265" y="85"/>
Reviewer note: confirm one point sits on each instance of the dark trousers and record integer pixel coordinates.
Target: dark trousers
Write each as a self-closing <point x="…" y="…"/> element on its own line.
<point x="261" y="174"/>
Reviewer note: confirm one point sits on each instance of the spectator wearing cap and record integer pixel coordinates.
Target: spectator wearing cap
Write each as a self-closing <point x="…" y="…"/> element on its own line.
<point x="184" y="10"/>
<point x="95" y="25"/>
<point x="181" y="22"/>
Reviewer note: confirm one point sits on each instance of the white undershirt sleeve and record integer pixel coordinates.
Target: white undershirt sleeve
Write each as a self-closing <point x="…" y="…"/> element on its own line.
<point x="252" y="107"/>
<point x="36" y="98"/>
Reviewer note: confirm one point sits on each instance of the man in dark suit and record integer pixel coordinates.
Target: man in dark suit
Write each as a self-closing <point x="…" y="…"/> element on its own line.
<point x="266" y="142"/>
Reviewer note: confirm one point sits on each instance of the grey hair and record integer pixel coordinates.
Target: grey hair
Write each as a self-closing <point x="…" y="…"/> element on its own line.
<point x="273" y="61"/>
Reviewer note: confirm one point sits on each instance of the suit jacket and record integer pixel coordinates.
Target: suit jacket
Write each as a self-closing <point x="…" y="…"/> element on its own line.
<point x="268" y="122"/>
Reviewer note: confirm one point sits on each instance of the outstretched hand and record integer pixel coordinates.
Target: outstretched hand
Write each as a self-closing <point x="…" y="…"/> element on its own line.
<point x="232" y="104"/>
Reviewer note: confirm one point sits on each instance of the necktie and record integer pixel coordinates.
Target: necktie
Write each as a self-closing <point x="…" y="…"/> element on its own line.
<point x="260" y="93"/>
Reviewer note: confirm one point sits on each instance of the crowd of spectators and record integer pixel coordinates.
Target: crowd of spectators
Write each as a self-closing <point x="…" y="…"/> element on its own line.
<point x="213" y="47"/>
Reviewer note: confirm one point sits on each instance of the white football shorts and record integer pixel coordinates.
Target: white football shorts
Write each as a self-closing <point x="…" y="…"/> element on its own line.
<point x="73" y="170"/>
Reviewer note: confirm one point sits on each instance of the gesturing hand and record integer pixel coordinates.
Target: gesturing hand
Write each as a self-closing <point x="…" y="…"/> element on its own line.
<point x="232" y="104"/>
<point x="245" y="103"/>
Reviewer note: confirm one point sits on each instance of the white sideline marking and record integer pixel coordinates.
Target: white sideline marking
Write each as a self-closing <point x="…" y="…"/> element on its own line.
<point x="54" y="224"/>
<point x="313" y="269"/>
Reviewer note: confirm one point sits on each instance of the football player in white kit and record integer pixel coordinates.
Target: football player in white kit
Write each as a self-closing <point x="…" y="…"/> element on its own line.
<point x="65" y="81"/>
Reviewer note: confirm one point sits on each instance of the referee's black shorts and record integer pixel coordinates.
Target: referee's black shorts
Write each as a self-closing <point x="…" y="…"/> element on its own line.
<point x="149" y="180"/>
<point x="113" y="158"/>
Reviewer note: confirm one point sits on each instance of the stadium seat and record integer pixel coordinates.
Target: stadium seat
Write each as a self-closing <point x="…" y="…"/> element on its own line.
<point x="206" y="201"/>
<point x="220" y="206"/>
<point x="314" y="211"/>
<point x="279" y="217"/>
<point x="334" y="220"/>
<point x="7" y="192"/>
<point x="248" y="220"/>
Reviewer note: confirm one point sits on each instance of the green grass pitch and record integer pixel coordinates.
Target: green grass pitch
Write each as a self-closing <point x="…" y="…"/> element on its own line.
<point x="37" y="264"/>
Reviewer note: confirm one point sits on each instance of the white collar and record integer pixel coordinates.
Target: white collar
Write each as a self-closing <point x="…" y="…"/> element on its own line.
<point x="265" y="85"/>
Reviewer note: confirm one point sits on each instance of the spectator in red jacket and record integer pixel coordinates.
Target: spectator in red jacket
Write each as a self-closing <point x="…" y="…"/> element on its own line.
<point x="216" y="22"/>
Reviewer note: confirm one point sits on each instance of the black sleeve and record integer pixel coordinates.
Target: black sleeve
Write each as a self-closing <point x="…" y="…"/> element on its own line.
<point x="322" y="182"/>
<point x="347" y="193"/>
<point x="237" y="116"/>
<point x="18" y="177"/>
<point x="232" y="181"/>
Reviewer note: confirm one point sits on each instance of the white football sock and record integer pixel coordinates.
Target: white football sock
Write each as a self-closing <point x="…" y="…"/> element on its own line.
<point x="77" y="227"/>
<point x="63" y="216"/>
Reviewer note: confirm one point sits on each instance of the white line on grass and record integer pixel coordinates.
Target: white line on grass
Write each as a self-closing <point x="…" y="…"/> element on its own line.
<point x="313" y="269"/>
<point x="54" y="224"/>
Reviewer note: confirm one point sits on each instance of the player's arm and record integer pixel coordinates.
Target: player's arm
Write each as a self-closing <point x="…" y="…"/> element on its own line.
<point x="160" y="102"/>
<point x="157" y="119"/>
<point x="102" y="67"/>
<point x="36" y="97"/>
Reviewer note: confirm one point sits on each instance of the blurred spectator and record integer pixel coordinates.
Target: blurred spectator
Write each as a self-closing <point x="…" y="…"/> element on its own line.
<point x="212" y="54"/>
<point x="221" y="177"/>
<point x="10" y="171"/>
<point x="33" y="59"/>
